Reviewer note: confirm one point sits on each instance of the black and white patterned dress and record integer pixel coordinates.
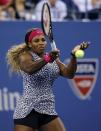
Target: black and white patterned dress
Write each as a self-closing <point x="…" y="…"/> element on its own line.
<point x="37" y="91"/>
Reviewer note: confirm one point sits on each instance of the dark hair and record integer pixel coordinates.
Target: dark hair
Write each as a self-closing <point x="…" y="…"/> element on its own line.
<point x="27" y="35"/>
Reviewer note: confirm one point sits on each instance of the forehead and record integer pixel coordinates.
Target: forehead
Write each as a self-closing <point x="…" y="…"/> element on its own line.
<point x="38" y="37"/>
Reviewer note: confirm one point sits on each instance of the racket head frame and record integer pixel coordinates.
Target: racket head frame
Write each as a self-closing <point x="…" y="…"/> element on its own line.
<point x="50" y="32"/>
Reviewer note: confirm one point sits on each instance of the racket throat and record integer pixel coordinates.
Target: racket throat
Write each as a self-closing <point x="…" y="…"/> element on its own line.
<point x="53" y="45"/>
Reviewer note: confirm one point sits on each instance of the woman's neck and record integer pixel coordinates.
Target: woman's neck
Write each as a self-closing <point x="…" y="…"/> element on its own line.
<point x="39" y="54"/>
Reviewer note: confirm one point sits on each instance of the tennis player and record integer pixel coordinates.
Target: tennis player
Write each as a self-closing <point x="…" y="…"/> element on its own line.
<point x="35" y="110"/>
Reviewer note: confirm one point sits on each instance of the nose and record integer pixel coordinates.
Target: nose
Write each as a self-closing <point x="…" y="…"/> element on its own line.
<point x="42" y="40"/>
<point x="42" y="43"/>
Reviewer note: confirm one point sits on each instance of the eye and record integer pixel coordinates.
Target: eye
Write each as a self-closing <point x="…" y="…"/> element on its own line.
<point x="36" y="40"/>
<point x="43" y="39"/>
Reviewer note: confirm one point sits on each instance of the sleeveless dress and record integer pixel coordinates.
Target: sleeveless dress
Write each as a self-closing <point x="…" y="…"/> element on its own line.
<point x="37" y="91"/>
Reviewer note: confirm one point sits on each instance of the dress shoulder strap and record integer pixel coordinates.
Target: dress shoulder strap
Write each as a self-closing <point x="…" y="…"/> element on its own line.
<point x="34" y="55"/>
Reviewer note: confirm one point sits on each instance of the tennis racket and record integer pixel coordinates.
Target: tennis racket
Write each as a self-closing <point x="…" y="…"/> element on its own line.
<point x="47" y="24"/>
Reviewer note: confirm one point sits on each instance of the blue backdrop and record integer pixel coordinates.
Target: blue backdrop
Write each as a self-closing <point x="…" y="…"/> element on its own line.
<point x="78" y="100"/>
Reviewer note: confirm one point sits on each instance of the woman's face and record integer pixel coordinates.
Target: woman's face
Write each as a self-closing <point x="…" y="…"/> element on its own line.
<point x="38" y="44"/>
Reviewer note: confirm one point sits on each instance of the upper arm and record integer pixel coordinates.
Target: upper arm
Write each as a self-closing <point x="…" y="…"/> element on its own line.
<point x="25" y="61"/>
<point x="28" y="65"/>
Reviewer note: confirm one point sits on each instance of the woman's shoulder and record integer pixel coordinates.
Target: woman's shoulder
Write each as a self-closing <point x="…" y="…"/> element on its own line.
<point x="25" y="55"/>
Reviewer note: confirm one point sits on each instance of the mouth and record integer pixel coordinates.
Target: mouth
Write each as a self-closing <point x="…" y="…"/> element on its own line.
<point x="41" y="47"/>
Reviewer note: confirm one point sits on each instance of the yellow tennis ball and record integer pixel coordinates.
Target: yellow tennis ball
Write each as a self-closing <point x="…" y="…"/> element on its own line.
<point x="79" y="53"/>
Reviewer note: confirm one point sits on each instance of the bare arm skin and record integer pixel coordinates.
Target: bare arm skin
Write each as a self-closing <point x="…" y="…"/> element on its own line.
<point x="68" y="70"/>
<point x="28" y="65"/>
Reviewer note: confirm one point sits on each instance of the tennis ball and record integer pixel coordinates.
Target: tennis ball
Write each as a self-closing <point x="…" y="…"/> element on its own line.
<point x="79" y="53"/>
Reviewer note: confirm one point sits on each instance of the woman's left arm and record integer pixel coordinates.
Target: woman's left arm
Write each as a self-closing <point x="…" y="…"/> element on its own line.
<point x="70" y="69"/>
<point x="67" y="70"/>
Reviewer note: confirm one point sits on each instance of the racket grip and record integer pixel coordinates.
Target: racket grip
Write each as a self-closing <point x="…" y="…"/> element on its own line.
<point x="53" y="45"/>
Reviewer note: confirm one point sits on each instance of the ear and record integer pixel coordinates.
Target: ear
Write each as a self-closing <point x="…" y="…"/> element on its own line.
<point x="29" y="44"/>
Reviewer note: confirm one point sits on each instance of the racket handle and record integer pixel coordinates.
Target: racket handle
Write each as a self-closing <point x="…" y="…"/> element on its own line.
<point x="53" y="45"/>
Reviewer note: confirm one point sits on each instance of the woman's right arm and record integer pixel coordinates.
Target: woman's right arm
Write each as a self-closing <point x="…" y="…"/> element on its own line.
<point x="28" y="65"/>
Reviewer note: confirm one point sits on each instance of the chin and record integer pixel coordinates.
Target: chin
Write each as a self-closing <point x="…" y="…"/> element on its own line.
<point x="41" y="52"/>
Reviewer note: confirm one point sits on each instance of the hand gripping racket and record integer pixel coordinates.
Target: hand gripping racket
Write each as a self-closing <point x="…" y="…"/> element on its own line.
<point x="47" y="24"/>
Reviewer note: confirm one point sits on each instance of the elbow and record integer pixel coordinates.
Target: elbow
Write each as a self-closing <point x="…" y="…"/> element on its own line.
<point x="71" y="76"/>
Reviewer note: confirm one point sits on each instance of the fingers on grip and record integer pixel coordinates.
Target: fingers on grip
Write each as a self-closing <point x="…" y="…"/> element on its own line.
<point x="84" y="45"/>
